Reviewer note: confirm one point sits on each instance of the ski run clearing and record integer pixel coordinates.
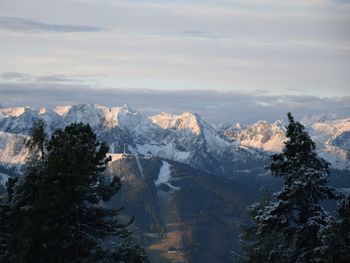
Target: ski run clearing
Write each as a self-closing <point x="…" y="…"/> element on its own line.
<point x="164" y="176"/>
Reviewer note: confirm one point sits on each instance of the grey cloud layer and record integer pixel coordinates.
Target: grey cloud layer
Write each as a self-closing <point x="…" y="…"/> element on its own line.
<point x="24" y="25"/>
<point x="22" y="77"/>
<point x="17" y="76"/>
<point x="215" y="106"/>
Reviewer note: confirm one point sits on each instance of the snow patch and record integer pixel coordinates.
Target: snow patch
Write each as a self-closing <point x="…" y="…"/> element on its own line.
<point x="164" y="176"/>
<point x="12" y="148"/>
<point x="167" y="151"/>
<point x="3" y="179"/>
<point x="62" y="110"/>
<point x="117" y="156"/>
<point x="139" y="166"/>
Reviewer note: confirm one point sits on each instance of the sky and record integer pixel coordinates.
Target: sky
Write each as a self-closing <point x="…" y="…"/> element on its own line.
<point x="226" y="59"/>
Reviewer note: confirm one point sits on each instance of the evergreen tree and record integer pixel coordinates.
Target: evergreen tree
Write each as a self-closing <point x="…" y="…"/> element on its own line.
<point x="336" y="235"/>
<point x="256" y="244"/>
<point x="6" y="225"/>
<point x="56" y="212"/>
<point x="38" y="139"/>
<point x="290" y="228"/>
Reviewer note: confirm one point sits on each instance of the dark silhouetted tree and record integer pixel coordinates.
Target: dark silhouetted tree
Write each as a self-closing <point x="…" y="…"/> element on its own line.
<point x="56" y="212"/>
<point x="336" y="235"/>
<point x="38" y="140"/>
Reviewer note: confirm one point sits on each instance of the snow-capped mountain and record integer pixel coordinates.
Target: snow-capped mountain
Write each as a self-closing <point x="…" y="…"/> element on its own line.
<point x="261" y="135"/>
<point x="185" y="138"/>
<point x="332" y="138"/>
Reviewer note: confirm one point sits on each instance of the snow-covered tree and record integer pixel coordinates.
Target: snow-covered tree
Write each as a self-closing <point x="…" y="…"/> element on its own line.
<point x="56" y="212"/>
<point x="336" y="235"/>
<point x="256" y="244"/>
<point x="290" y="228"/>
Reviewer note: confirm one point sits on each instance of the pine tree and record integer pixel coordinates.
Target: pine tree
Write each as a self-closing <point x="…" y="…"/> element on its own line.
<point x="6" y="234"/>
<point x="336" y="235"/>
<point x="290" y="228"/>
<point x="38" y="139"/>
<point x="256" y="244"/>
<point x="56" y="212"/>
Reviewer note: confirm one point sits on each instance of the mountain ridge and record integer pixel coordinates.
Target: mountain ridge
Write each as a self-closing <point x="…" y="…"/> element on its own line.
<point x="186" y="137"/>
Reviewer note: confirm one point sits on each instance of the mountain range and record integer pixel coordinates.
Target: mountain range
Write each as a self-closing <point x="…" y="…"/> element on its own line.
<point x="186" y="138"/>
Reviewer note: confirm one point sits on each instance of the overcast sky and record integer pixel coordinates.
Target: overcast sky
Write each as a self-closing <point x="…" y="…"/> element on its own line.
<point x="257" y="51"/>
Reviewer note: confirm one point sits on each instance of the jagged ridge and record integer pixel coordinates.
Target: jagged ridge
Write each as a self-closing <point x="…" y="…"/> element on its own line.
<point x="185" y="138"/>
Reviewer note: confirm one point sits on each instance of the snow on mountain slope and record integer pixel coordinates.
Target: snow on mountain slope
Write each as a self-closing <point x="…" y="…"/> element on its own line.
<point x="16" y="120"/>
<point x="12" y="112"/>
<point x="188" y="138"/>
<point x="263" y="135"/>
<point x="187" y="120"/>
<point x="327" y="130"/>
<point x="164" y="176"/>
<point x="191" y="125"/>
<point x="332" y="138"/>
<point x="123" y="117"/>
<point x="342" y="140"/>
<point x="12" y="151"/>
<point x="165" y="150"/>
<point x="185" y="138"/>
<point x="62" y="110"/>
<point x="19" y="120"/>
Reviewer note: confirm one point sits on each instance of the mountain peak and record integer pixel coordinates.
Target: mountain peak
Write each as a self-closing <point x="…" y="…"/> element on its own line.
<point x="12" y="112"/>
<point x="62" y="110"/>
<point x="185" y="121"/>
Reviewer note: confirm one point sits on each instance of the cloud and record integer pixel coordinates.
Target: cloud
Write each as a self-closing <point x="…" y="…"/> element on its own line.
<point x="27" y="25"/>
<point x="215" y="106"/>
<point x="299" y="90"/>
<point x="15" y="76"/>
<point x="55" y="78"/>
<point x="198" y="34"/>
<point x="22" y="77"/>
